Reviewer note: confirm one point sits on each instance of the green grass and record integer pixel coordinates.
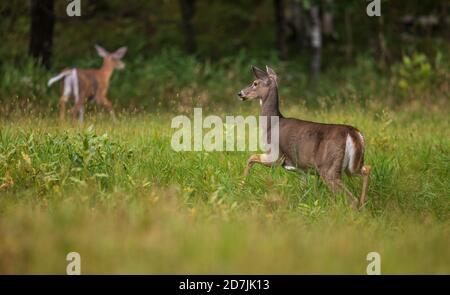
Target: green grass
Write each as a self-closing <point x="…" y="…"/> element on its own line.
<point x="121" y="197"/>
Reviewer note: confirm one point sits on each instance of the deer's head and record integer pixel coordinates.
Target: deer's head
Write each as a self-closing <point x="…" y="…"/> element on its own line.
<point x="113" y="59"/>
<point x="260" y="87"/>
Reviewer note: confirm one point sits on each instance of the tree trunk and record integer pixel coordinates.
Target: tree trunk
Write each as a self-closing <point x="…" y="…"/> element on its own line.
<point x="348" y="34"/>
<point x="41" y="31"/>
<point x="382" y="50"/>
<point x="280" y="20"/>
<point x="298" y="23"/>
<point x="187" y="13"/>
<point x="316" y="42"/>
<point x="446" y="18"/>
<point x="328" y="24"/>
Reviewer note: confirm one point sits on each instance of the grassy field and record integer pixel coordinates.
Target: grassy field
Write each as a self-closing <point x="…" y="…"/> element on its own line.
<point x="121" y="197"/>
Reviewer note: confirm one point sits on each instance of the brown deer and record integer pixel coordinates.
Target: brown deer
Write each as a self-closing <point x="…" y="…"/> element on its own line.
<point x="89" y="84"/>
<point x="328" y="148"/>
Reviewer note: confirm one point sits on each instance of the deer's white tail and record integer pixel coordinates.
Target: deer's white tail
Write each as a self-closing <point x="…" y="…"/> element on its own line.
<point x="71" y="85"/>
<point x="58" y="77"/>
<point x="354" y="152"/>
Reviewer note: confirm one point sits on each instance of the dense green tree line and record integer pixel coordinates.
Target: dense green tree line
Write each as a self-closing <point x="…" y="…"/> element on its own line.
<point x="321" y="31"/>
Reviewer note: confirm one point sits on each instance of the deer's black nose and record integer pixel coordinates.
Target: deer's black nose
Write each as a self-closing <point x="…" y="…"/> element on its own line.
<point x="240" y="94"/>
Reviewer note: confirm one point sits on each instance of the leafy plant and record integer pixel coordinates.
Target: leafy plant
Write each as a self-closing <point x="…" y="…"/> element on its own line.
<point x="415" y="73"/>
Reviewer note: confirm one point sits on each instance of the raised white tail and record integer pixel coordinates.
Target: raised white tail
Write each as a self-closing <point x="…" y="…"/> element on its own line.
<point x="58" y="77"/>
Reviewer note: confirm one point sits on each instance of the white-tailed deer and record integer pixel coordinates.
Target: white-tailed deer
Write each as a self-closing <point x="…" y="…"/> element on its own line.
<point x="89" y="84"/>
<point x="329" y="148"/>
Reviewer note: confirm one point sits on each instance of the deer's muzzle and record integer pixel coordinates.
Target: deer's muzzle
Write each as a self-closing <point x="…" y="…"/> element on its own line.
<point x="241" y="95"/>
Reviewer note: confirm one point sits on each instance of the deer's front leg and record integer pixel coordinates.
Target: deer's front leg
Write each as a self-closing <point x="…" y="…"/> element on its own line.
<point x="108" y="105"/>
<point x="264" y="159"/>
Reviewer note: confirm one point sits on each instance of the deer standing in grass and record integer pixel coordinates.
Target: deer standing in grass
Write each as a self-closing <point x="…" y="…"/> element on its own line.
<point x="329" y="148"/>
<point x="89" y="84"/>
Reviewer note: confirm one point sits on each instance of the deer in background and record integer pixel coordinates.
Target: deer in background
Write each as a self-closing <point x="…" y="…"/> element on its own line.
<point x="89" y="84"/>
<point x="329" y="148"/>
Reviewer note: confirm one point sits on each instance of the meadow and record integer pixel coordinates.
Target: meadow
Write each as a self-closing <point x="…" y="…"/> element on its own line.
<point x="120" y="196"/>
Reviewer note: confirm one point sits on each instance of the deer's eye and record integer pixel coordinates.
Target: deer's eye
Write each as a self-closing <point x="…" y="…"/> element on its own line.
<point x="255" y="84"/>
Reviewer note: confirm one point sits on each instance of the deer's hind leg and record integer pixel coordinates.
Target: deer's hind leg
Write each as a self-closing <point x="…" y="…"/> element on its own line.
<point x="334" y="182"/>
<point x="62" y="106"/>
<point x="365" y="173"/>
<point x="80" y="95"/>
<point x="66" y="92"/>
<point x="78" y="109"/>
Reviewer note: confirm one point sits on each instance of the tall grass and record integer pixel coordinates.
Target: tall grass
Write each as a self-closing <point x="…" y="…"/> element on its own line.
<point x="121" y="197"/>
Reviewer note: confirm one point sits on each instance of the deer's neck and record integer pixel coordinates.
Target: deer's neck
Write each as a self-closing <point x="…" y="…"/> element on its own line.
<point x="270" y="104"/>
<point x="106" y="70"/>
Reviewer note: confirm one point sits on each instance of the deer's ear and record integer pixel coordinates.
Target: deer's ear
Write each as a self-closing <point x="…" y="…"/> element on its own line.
<point x="101" y="51"/>
<point x="120" y="53"/>
<point x="259" y="74"/>
<point x="271" y="73"/>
